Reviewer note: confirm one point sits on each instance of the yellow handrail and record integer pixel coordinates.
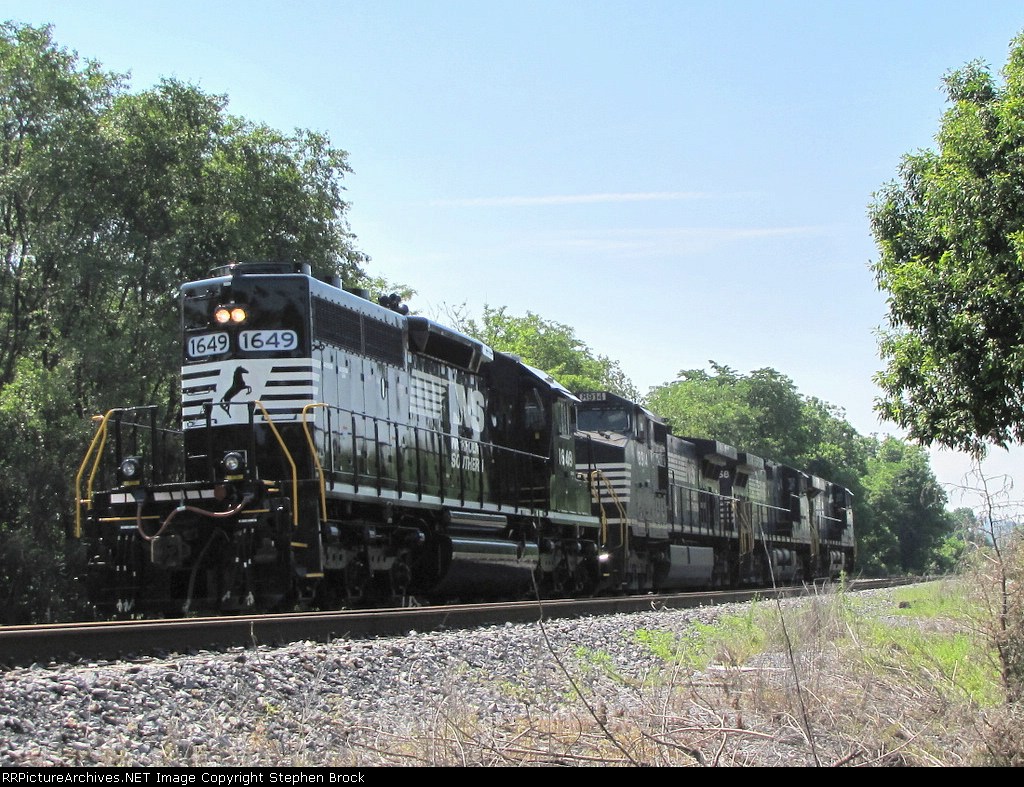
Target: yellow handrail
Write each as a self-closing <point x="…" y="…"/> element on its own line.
<point x="316" y="457"/>
<point x="742" y="511"/>
<point x="95" y="451"/>
<point x="95" y="446"/>
<point x="288" y="456"/>
<point x="595" y="492"/>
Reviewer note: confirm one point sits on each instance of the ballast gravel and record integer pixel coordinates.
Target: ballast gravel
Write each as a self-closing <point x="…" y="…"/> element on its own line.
<point x="342" y="703"/>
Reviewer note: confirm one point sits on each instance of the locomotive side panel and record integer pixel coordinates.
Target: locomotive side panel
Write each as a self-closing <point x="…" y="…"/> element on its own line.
<point x="684" y="494"/>
<point x="359" y="349"/>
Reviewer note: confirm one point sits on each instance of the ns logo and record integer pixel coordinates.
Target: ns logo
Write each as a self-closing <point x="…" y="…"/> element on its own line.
<point x="466" y="408"/>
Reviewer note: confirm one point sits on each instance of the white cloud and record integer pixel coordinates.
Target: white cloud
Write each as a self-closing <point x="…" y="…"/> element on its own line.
<point x="672" y="240"/>
<point x="572" y="199"/>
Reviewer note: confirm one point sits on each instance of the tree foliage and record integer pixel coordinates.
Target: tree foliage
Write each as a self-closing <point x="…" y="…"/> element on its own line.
<point x="761" y="411"/>
<point x="550" y="346"/>
<point x="950" y="232"/>
<point x="908" y="522"/>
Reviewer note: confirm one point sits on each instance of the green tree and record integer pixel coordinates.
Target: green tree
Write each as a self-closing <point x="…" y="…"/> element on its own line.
<point x="51" y="197"/>
<point x="51" y="215"/>
<point x="191" y="188"/>
<point x="950" y="232"/>
<point x="909" y="523"/>
<point x="550" y="346"/>
<point x="761" y="412"/>
<point x="967" y="531"/>
<point x="834" y="449"/>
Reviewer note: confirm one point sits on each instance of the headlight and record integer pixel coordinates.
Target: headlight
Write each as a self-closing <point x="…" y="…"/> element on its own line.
<point x="130" y="470"/>
<point x="234" y="463"/>
<point x="230" y="313"/>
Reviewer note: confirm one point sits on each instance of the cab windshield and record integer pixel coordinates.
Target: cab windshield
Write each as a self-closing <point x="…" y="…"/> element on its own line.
<point x="603" y="421"/>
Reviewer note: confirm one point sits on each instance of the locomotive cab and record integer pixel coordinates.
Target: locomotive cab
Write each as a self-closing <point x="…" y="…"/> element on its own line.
<point x="246" y="339"/>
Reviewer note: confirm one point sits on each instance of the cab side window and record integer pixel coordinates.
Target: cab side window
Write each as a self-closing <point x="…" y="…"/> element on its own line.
<point x="533" y="410"/>
<point x="563" y="414"/>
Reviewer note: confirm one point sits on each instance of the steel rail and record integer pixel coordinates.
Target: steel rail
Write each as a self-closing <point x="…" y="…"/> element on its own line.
<point x="46" y="644"/>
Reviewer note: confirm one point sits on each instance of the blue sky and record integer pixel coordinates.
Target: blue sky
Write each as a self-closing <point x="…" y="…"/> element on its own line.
<point x="678" y="181"/>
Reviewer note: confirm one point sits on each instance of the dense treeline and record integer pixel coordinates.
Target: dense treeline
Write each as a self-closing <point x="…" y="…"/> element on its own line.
<point x="109" y="199"/>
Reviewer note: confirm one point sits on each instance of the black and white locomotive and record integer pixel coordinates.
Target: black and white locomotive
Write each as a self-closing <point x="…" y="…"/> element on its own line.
<point x="337" y="452"/>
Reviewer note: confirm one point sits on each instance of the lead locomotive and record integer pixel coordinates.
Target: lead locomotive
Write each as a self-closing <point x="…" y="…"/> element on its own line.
<point x="339" y="452"/>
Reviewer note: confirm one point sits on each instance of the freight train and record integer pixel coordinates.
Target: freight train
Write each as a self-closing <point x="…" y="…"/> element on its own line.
<point x="338" y="452"/>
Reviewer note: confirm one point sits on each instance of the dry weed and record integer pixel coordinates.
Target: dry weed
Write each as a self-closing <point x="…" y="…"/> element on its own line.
<point x="824" y="691"/>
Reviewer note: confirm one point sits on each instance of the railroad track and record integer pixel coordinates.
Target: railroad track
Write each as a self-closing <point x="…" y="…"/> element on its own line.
<point x="127" y="640"/>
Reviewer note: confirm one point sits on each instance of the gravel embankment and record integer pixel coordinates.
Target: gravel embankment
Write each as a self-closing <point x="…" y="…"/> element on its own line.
<point x="344" y="703"/>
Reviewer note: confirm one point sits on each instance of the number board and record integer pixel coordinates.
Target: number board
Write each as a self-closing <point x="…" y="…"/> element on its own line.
<point x="208" y="344"/>
<point x="267" y="341"/>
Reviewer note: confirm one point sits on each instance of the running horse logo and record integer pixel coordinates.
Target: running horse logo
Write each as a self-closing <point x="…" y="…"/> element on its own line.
<point x="238" y="385"/>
